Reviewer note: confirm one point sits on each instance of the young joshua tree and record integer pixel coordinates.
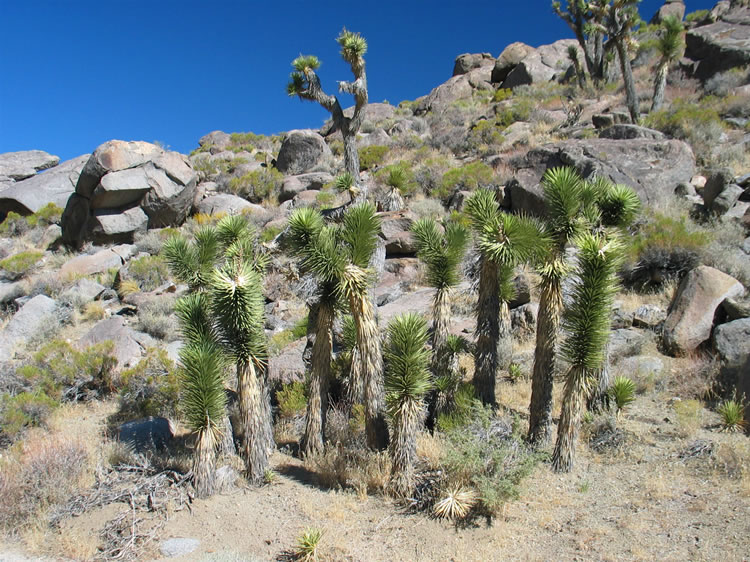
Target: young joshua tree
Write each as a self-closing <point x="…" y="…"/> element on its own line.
<point x="442" y="253"/>
<point x="564" y="198"/>
<point x="305" y="225"/>
<point x="305" y="84"/>
<point x="504" y="241"/>
<point x="670" y="46"/>
<point x="587" y="323"/>
<point x="341" y="254"/>
<point x="407" y="381"/>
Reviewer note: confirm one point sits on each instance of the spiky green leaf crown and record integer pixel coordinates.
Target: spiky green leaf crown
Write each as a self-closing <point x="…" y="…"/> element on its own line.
<point x="353" y="46"/>
<point x="194" y="317"/>
<point x="441" y="252"/>
<point x="407" y="377"/>
<point x="344" y="182"/>
<point x="563" y="197"/>
<point x="306" y="63"/>
<point x="193" y="262"/>
<point x="587" y="320"/>
<point x="203" y="399"/>
<point x="361" y="226"/>
<point x="671" y="42"/>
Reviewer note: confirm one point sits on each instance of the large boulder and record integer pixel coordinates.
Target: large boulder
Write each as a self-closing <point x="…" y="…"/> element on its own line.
<point x="671" y="8"/>
<point x="395" y="227"/>
<point x="653" y="168"/>
<point x="17" y="166"/>
<point x="469" y="61"/>
<point x="690" y="317"/>
<point x="54" y="186"/>
<point x="228" y="204"/>
<point x="126" y="187"/>
<point x="99" y="262"/>
<point x="32" y="320"/>
<point x="129" y="345"/>
<point x="511" y="56"/>
<point x="548" y="62"/>
<point x="721" y="45"/>
<point x="732" y="344"/>
<point x="301" y="151"/>
<point x="442" y="96"/>
<point x="297" y="184"/>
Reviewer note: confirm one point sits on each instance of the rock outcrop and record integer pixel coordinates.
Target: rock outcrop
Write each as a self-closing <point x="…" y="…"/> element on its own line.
<point x="721" y="45"/>
<point x="17" y="166"/>
<point x="545" y="63"/>
<point x="301" y="151"/>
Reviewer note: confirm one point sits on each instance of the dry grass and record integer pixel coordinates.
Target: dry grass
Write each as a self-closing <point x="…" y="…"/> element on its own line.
<point x="430" y="449"/>
<point x="689" y="417"/>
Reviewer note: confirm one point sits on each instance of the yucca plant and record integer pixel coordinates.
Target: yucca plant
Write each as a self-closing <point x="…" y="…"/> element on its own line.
<point x="305" y="84"/>
<point x="503" y="241"/>
<point x="587" y="323"/>
<point x="305" y="226"/>
<point x="456" y="503"/>
<point x="407" y="381"/>
<point x="308" y="545"/>
<point x="442" y="253"/>
<point x="670" y="45"/>
<point x="446" y="384"/>
<point x="193" y="262"/>
<point x="203" y="403"/>
<point x="732" y="415"/>
<point x="341" y="254"/>
<point x="622" y="393"/>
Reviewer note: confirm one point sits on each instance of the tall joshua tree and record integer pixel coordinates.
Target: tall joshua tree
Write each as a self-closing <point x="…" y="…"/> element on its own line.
<point x="341" y="254"/>
<point x="670" y="46"/>
<point x="407" y="381"/>
<point x="587" y="322"/>
<point x="442" y="253"/>
<point x="582" y="17"/>
<point x="564" y="198"/>
<point x="503" y="241"/>
<point x="621" y="16"/>
<point x="305" y="84"/>
<point x="305" y="225"/>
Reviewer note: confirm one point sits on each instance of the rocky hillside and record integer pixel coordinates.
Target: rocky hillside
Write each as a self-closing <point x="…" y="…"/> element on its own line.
<point x="82" y="277"/>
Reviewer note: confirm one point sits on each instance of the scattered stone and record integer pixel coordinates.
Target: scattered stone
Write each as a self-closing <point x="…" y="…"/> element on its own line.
<point x="147" y="434"/>
<point x="732" y="342"/>
<point x="641" y="366"/>
<point x="32" y="320"/>
<point x="629" y="131"/>
<point x="11" y="291"/>
<point x="625" y="342"/>
<point x="99" y="262"/>
<point x="523" y="320"/>
<point x="607" y="120"/>
<point x="648" y="316"/>
<point x="725" y="200"/>
<point x="690" y="317"/>
<point x="671" y="8"/>
<point x="179" y="547"/>
<point x="129" y="345"/>
<point x="395" y="228"/>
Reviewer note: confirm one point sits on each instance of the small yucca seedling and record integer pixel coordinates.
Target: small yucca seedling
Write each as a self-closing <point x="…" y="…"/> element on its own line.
<point x="308" y="543"/>
<point x="622" y="392"/>
<point x="732" y="416"/>
<point x="456" y="503"/>
<point x="515" y="373"/>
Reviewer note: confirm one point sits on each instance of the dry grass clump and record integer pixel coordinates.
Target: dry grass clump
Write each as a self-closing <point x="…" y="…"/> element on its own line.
<point x="43" y="471"/>
<point x="689" y="417"/>
<point x="340" y="466"/>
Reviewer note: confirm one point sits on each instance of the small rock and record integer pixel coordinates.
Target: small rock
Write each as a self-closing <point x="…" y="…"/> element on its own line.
<point x="146" y="434"/>
<point x="648" y="316"/>
<point x="178" y="547"/>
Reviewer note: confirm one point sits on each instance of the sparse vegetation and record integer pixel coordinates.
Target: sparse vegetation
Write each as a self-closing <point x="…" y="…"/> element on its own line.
<point x="732" y="414"/>
<point x="21" y="264"/>
<point x="257" y="186"/>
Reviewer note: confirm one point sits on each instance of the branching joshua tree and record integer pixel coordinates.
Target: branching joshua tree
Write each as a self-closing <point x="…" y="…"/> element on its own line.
<point x="305" y="84"/>
<point x="620" y="17"/>
<point x="442" y="253"/>
<point x="504" y="241"/>
<point x="341" y="254"/>
<point x="305" y="225"/>
<point x="670" y="45"/>
<point x="587" y="323"/>
<point x="582" y="17"/>
<point x="226" y="308"/>
<point x="564" y="199"/>
<point x="407" y="381"/>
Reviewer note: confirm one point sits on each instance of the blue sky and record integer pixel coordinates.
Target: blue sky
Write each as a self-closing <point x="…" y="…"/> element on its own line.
<point x="76" y="73"/>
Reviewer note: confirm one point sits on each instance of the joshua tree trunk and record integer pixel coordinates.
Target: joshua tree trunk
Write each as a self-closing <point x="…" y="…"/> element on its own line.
<point x="440" y="320"/>
<point x="660" y="84"/>
<point x="403" y="446"/>
<point x="488" y="333"/>
<point x="351" y="156"/>
<point x="371" y="370"/>
<point x="255" y="416"/>
<point x="570" y="419"/>
<point x="204" y="466"/>
<point x="320" y="376"/>
<point x="627" y="75"/>
<point x="505" y="337"/>
<point x="226" y="445"/>
<point x="599" y="397"/>
<point x="540" y="411"/>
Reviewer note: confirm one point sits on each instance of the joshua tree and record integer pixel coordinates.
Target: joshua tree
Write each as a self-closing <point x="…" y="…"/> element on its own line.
<point x="582" y="17"/>
<point x="304" y="83"/>
<point x="407" y="380"/>
<point x="228" y="309"/>
<point x="305" y="226"/>
<point x="341" y="254"/>
<point x="564" y="199"/>
<point x="587" y="322"/>
<point x="442" y="253"/>
<point x="621" y="16"/>
<point x="203" y="403"/>
<point x="580" y="74"/>
<point x="670" y="46"/>
<point x="503" y="241"/>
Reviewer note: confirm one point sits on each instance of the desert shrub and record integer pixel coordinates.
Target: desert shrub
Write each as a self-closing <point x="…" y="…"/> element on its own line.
<point x="518" y="110"/>
<point x="351" y="465"/>
<point x="43" y="472"/>
<point x="14" y="225"/>
<point x="371" y="156"/>
<point x="151" y="241"/>
<point x="459" y="413"/>
<point x="721" y="83"/>
<point x="149" y="272"/>
<point x="487" y="457"/>
<point x="689" y="414"/>
<point x="325" y="199"/>
<point x="696" y="16"/>
<point x="22" y="263"/>
<point x="156" y="319"/>
<point x="269" y="233"/>
<point x="427" y="208"/>
<point x="93" y="311"/>
<point x="502" y="94"/>
<point x="484" y="136"/>
<point x="258" y="185"/>
<point x="291" y="399"/>
<point x="467" y="177"/>
<point x="150" y="388"/>
<point x="49" y="214"/>
<point x="22" y="411"/>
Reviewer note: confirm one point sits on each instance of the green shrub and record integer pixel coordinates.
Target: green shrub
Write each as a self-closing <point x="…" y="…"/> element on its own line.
<point x="269" y="233"/>
<point x="22" y="263"/>
<point x="149" y="271"/>
<point x="292" y="399"/>
<point x="257" y="185"/>
<point x="150" y="388"/>
<point x="502" y="94"/>
<point x="467" y="177"/>
<point x="696" y="16"/>
<point x="308" y="545"/>
<point x="371" y="156"/>
<point x="49" y="214"/>
<point x="483" y="136"/>
<point x="325" y="199"/>
<point x="519" y="110"/>
<point x="622" y="392"/>
<point x="460" y="412"/>
<point x="14" y="224"/>
<point x="24" y="410"/>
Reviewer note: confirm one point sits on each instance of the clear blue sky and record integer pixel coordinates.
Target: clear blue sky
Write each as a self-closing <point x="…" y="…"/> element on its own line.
<point x="76" y="73"/>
